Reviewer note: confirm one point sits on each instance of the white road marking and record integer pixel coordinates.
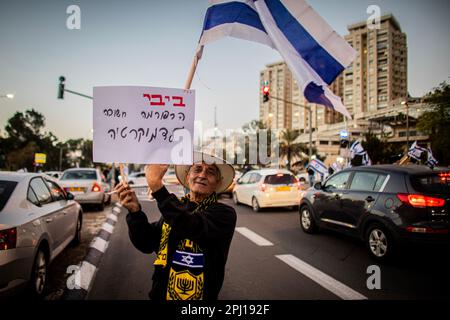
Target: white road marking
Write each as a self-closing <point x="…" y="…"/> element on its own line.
<point x="113" y="217"/>
<point x="324" y="280"/>
<point x="108" y="227"/>
<point x="260" y="241"/>
<point x="99" y="244"/>
<point x="86" y="274"/>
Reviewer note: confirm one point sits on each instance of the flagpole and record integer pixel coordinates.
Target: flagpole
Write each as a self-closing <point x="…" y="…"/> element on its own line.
<point x="194" y="64"/>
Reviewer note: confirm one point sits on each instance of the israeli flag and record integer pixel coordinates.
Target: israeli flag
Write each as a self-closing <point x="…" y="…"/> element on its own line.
<point x="431" y="161"/>
<point x="356" y="149"/>
<point x="314" y="52"/>
<point x="415" y="151"/>
<point x="318" y="166"/>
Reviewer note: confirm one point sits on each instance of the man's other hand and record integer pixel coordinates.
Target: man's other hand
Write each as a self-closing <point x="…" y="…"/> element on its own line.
<point x="154" y="174"/>
<point x="127" y="197"/>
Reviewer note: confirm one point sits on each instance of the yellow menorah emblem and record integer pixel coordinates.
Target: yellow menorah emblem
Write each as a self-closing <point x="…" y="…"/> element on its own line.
<point x="184" y="285"/>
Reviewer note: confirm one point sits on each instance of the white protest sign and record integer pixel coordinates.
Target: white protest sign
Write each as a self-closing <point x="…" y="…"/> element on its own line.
<point x="135" y="124"/>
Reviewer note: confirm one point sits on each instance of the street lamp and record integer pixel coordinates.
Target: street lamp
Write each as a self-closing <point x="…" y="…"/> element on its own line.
<point x="8" y="96"/>
<point x="405" y="103"/>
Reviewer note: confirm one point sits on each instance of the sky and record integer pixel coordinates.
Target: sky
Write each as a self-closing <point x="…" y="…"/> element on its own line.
<point x="152" y="43"/>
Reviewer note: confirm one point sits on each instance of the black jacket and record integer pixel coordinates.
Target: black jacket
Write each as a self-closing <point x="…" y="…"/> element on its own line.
<point x="212" y="229"/>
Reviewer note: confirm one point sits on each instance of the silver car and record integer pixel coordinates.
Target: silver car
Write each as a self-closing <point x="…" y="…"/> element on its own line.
<point x="88" y="185"/>
<point x="37" y="221"/>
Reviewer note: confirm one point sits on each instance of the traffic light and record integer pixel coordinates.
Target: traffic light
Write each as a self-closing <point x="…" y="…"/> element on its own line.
<point x="61" y="87"/>
<point x="344" y="143"/>
<point x="266" y="95"/>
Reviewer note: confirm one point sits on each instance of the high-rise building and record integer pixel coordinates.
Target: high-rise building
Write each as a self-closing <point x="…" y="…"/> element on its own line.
<point x="373" y="85"/>
<point x="279" y="113"/>
<point x="378" y="76"/>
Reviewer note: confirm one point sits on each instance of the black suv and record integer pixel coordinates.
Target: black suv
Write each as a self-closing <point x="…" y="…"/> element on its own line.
<point x="384" y="205"/>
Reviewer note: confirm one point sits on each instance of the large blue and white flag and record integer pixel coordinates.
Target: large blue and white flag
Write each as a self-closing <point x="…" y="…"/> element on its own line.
<point x="314" y="52"/>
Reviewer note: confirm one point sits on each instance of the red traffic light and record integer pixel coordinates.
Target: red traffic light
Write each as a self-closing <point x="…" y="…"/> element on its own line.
<point x="266" y="95"/>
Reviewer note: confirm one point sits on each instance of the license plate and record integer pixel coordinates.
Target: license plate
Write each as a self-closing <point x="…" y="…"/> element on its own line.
<point x="76" y="189"/>
<point x="284" y="188"/>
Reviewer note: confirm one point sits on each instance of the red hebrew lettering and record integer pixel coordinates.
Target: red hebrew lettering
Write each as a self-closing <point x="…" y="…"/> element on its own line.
<point x="159" y="103"/>
<point x="154" y="96"/>
<point x="180" y="103"/>
<point x="146" y="95"/>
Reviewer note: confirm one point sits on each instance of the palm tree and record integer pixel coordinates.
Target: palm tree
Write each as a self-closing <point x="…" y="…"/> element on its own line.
<point x="290" y="148"/>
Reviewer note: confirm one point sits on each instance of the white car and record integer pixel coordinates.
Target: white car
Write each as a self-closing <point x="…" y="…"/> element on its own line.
<point x="54" y="174"/>
<point x="37" y="221"/>
<point x="267" y="188"/>
<point x="137" y="178"/>
<point x="87" y="185"/>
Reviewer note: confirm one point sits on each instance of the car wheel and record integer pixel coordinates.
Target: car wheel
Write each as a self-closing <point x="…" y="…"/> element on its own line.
<point x="307" y="220"/>
<point x="379" y="242"/>
<point x="235" y="198"/>
<point x="77" y="239"/>
<point x="38" y="279"/>
<point x="255" y="205"/>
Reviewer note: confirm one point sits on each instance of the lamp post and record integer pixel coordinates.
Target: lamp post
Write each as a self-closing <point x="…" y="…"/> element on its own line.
<point x="405" y="103"/>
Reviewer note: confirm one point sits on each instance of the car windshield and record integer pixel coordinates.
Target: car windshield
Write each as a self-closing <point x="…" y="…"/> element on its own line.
<point x="80" y="175"/>
<point x="6" y="189"/>
<point x="437" y="183"/>
<point x="280" y="179"/>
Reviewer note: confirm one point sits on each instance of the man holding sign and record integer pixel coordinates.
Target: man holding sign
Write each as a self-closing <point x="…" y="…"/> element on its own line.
<point x="192" y="237"/>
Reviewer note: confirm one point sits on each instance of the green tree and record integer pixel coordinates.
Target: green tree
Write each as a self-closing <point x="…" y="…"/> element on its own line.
<point x="436" y="122"/>
<point x="253" y="128"/>
<point x="24" y="137"/>
<point x="379" y="150"/>
<point x="78" y="153"/>
<point x="289" y="148"/>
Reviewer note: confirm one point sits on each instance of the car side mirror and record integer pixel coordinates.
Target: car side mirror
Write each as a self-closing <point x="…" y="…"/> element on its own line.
<point x="238" y="181"/>
<point x="70" y="196"/>
<point x="318" y="186"/>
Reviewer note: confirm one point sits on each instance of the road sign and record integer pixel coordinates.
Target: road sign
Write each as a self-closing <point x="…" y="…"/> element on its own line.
<point x="40" y="157"/>
<point x="343" y="134"/>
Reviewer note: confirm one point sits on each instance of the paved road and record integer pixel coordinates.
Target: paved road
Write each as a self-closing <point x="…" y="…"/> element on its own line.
<point x="281" y="262"/>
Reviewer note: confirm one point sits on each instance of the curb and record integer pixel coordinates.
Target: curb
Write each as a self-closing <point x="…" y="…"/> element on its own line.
<point x="80" y="282"/>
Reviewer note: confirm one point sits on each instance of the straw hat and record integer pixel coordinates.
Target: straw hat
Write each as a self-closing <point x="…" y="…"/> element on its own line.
<point x="226" y="170"/>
